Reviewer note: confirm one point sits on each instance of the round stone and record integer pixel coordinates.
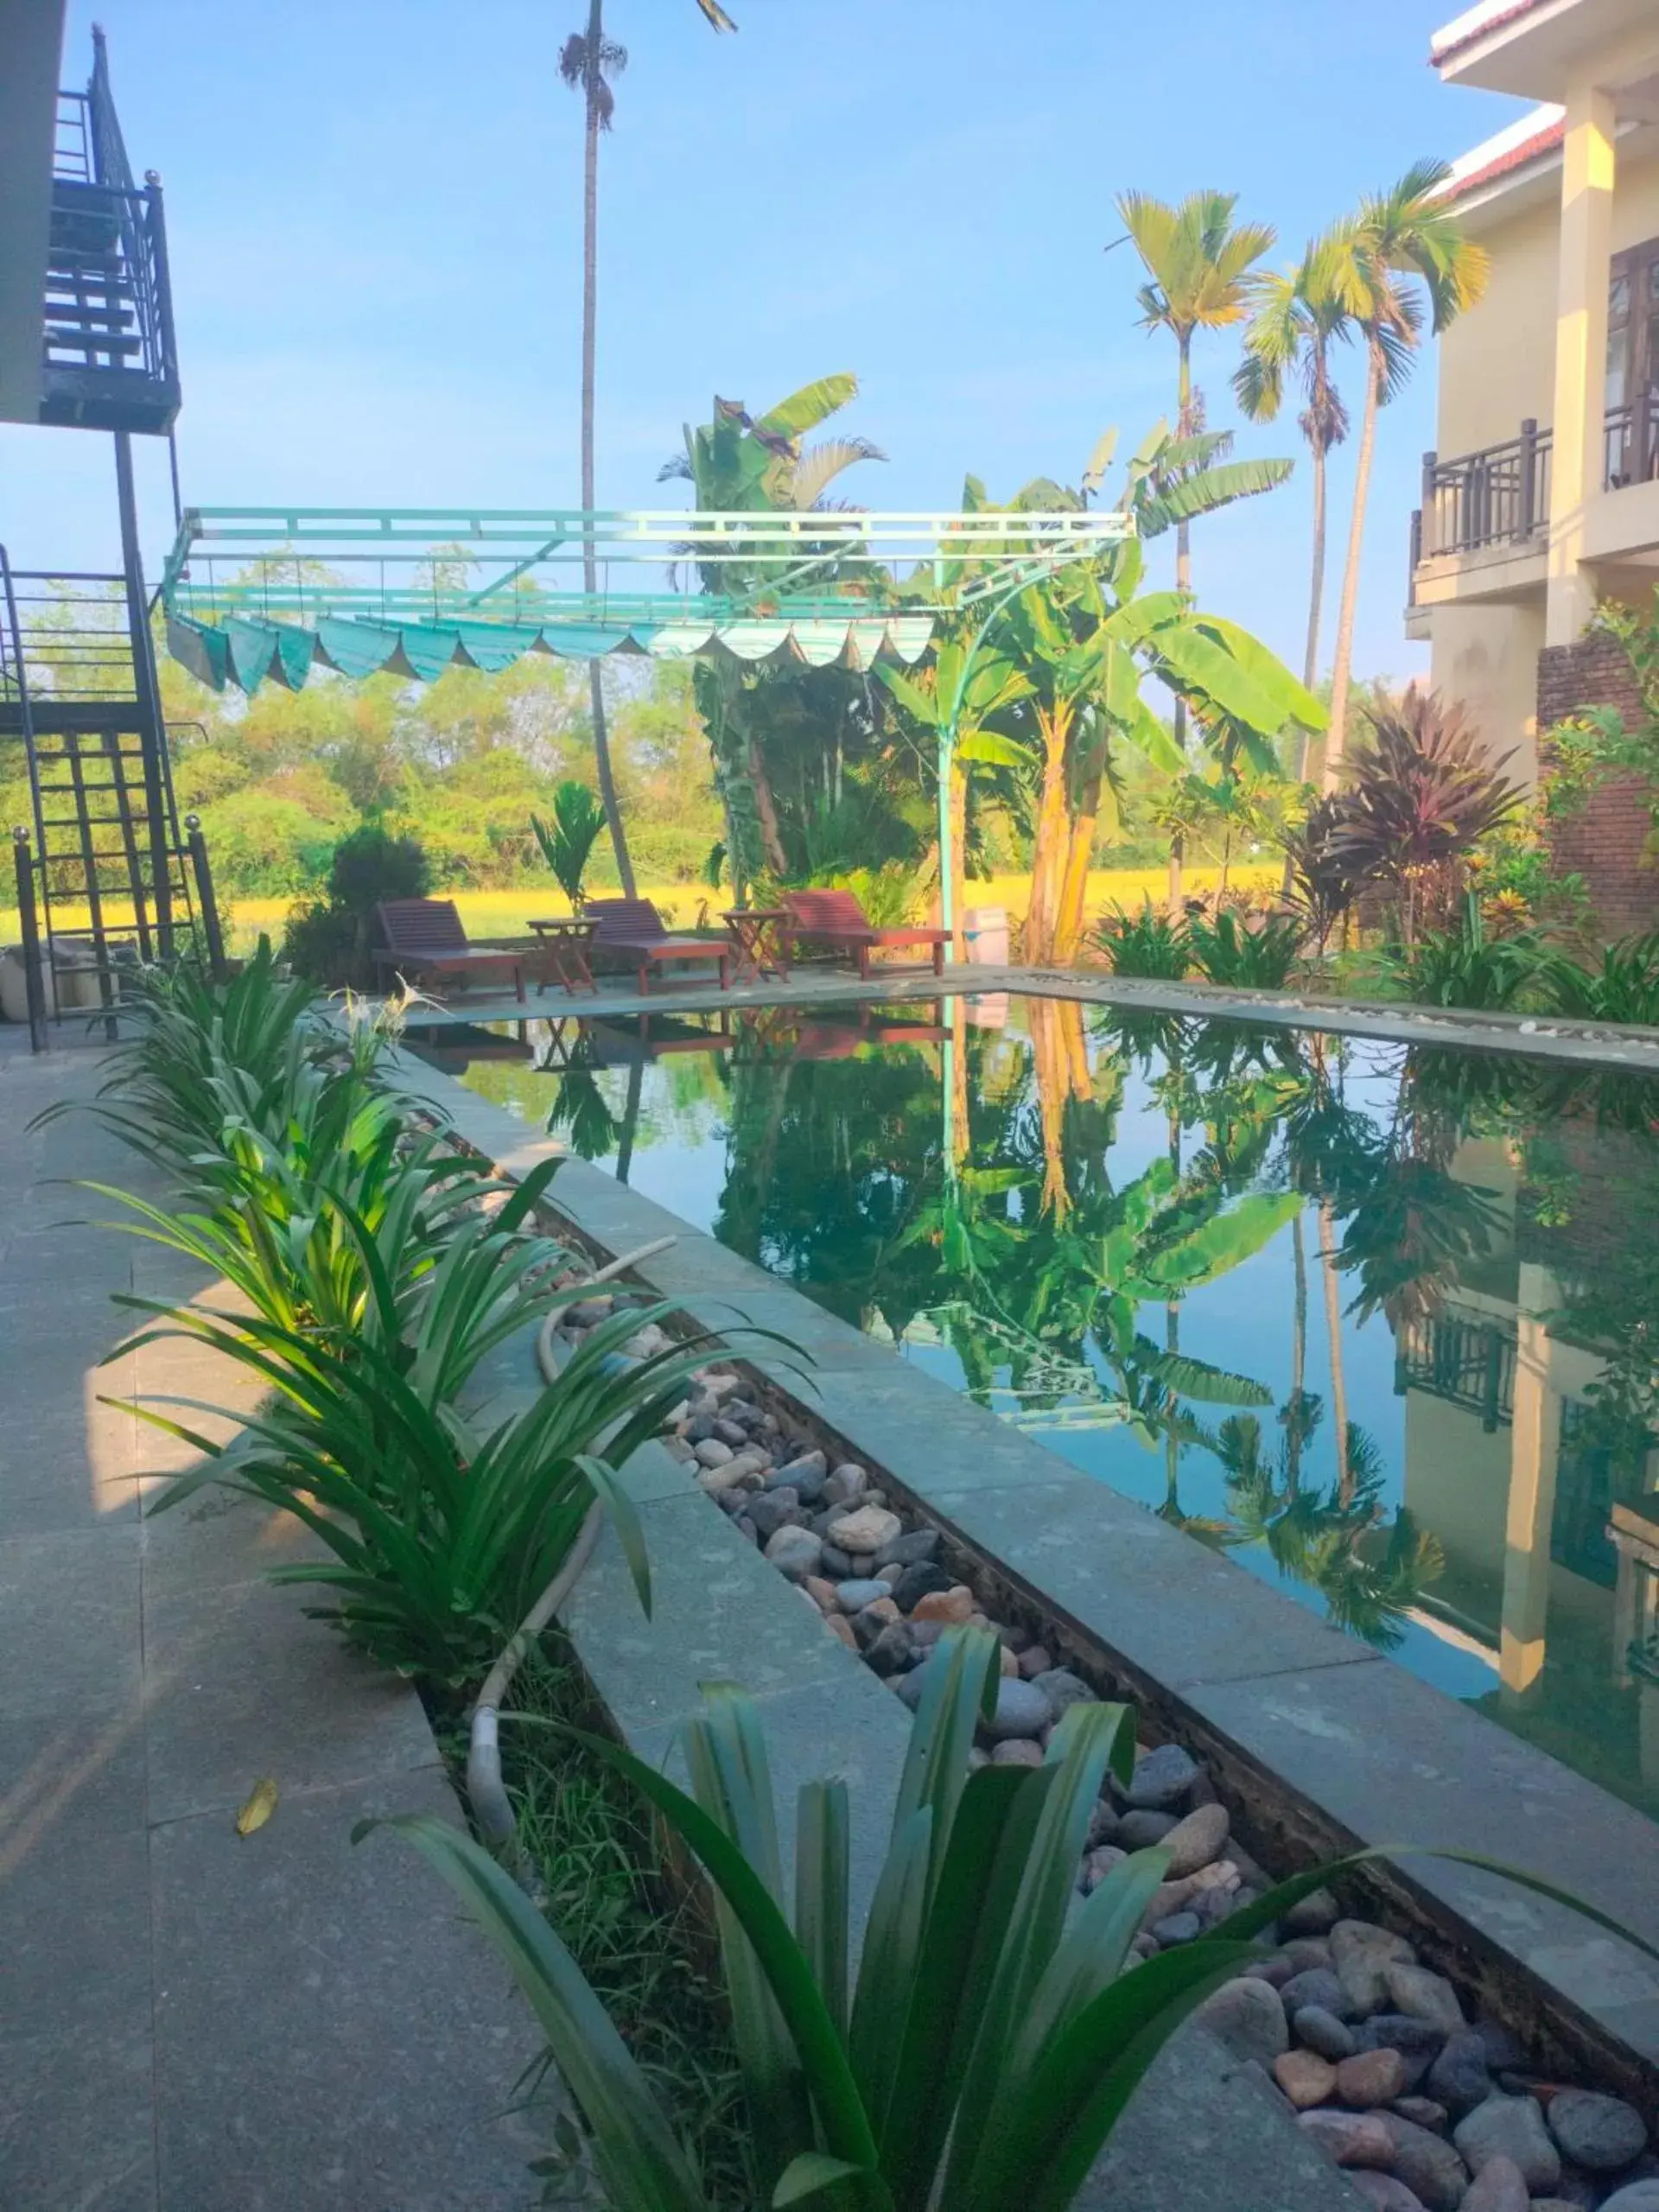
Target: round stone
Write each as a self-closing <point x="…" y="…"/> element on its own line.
<point x="1417" y="2041"/>
<point x="1422" y="2112"/>
<point x="1360" y="1952"/>
<point x="955" y="1605"/>
<point x="920" y="1547"/>
<point x="1178" y="1927"/>
<point x="1348" y="2139"/>
<point x="839" y="1627"/>
<point x="1163" y="1780"/>
<point x="1424" y="2161"/>
<point x="1196" y="1840"/>
<point x="1021" y="1710"/>
<point x="712" y="1453"/>
<point x="796" y="1551"/>
<point x="1138" y="1830"/>
<point x="1063" y="1689"/>
<point x="1459" y="2076"/>
<point x="1638" y="2196"/>
<point x="1425" y="1996"/>
<point x="919" y="1578"/>
<point x="1247" y="2016"/>
<point x="1324" y="2032"/>
<point x="867" y="1528"/>
<point x="805" y="1475"/>
<point x="774" y="1510"/>
<point x="847" y="1485"/>
<point x="1371" y="2077"/>
<point x="1099" y="1864"/>
<point x="1104" y="1825"/>
<point x="1500" y="2186"/>
<point x="1601" y="2133"/>
<point x="1034" y="1660"/>
<point x="1510" y="2127"/>
<point x="853" y="1597"/>
<point x="1306" y="2078"/>
<point x="1316" y="1914"/>
<point x="1016" y="1750"/>
<point x="892" y="1652"/>
<point x="1318" y="1985"/>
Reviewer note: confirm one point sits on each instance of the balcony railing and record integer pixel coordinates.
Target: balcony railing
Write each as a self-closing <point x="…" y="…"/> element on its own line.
<point x="1500" y="496"/>
<point x="1463" y="1358"/>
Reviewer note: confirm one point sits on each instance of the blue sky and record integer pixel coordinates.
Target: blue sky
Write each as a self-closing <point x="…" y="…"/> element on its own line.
<point x="374" y="212"/>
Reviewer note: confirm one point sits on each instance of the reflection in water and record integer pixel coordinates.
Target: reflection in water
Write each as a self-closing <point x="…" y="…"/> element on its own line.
<point x="1116" y="1229"/>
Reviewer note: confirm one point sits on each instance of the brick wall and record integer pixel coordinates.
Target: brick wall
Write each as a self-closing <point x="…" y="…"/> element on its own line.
<point x="1604" y="843"/>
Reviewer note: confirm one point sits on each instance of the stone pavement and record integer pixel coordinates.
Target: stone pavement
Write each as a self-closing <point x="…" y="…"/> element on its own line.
<point x="190" y="2020"/>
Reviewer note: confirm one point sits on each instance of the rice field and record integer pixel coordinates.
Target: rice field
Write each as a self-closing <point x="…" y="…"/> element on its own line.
<point x="507" y="913"/>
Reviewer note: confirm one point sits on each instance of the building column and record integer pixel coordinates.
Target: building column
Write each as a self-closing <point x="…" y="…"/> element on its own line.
<point x="1576" y="465"/>
<point x="1535" y="1438"/>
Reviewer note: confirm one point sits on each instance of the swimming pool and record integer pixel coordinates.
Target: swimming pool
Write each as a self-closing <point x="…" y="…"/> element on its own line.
<point x="1381" y="1324"/>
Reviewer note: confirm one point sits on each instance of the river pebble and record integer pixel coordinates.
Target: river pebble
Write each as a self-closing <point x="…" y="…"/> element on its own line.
<point x="1370" y="2078"/>
<point x="1322" y="2031"/>
<point x="1348" y="2139"/>
<point x="1163" y="1780"/>
<point x="1459" y="2076"/>
<point x="795" y="1552"/>
<point x="1246" y="2017"/>
<point x="1424" y="1995"/>
<point x="1194" y="1842"/>
<point x="1383" y="2193"/>
<point x="1500" y="2186"/>
<point x="1424" y="2161"/>
<point x="1360" y="1953"/>
<point x="1600" y="2132"/>
<point x="1510" y="2127"/>
<point x="866" y="1528"/>
<point x="1306" y="2078"/>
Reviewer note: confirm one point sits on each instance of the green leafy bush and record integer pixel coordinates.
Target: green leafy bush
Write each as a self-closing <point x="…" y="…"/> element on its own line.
<point x="1147" y="944"/>
<point x="327" y="939"/>
<point x="1463" y="966"/>
<point x="1227" y="951"/>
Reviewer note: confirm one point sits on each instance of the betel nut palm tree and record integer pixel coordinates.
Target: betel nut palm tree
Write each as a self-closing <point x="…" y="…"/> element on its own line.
<point x="1199" y="266"/>
<point x="1400" y="239"/>
<point x="587" y="62"/>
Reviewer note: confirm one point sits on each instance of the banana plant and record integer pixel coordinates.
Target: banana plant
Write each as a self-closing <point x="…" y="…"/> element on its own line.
<point x="993" y="2030"/>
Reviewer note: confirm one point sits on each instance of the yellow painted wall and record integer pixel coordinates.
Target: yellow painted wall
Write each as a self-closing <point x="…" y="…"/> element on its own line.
<point x="1497" y="362"/>
<point x="1487" y="657"/>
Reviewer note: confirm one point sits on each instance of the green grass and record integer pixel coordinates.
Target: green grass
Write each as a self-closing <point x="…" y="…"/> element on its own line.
<point x="638" y="1930"/>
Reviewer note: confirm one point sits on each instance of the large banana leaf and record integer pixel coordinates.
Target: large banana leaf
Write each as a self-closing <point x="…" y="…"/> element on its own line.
<point x="813" y="404"/>
<point x="1203" y="492"/>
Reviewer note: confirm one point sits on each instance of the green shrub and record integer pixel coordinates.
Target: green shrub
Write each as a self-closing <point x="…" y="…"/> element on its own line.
<point x="1227" y="951"/>
<point x="1624" y="988"/>
<point x="1146" y="944"/>
<point x="327" y="941"/>
<point x="1464" y="967"/>
<point x="566" y="843"/>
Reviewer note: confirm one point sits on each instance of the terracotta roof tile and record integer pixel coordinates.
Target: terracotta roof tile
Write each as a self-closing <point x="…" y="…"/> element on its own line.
<point x="1515" y="157"/>
<point x="1440" y="55"/>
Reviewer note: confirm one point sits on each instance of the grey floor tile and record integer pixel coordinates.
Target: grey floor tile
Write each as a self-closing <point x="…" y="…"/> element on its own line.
<point x="75" y="1886"/>
<point x="77" y="2121"/>
<point x="240" y="1686"/>
<point x="69" y="1625"/>
<point x="218" y="1537"/>
<point x="328" y="2029"/>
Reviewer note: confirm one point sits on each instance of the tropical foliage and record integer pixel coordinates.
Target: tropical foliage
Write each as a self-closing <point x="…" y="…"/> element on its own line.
<point x="984" y="2046"/>
<point x="376" y="1267"/>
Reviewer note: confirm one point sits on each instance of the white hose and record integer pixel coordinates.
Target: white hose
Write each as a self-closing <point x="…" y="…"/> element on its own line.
<point x="485" y="1792"/>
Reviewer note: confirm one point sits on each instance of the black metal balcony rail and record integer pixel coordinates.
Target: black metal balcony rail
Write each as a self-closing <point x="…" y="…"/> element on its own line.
<point x="109" y="358"/>
<point x="1501" y="495"/>
<point x="1464" y="1360"/>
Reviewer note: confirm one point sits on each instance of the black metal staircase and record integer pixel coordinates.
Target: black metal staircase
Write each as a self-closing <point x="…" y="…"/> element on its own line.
<point x="103" y="876"/>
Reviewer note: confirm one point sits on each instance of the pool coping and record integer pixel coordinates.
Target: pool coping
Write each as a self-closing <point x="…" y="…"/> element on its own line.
<point x="1629" y="1048"/>
<point x="1330" y="1744"/>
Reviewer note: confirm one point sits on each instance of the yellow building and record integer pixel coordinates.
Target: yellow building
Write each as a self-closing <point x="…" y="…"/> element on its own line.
<point x="1543" y="493"/>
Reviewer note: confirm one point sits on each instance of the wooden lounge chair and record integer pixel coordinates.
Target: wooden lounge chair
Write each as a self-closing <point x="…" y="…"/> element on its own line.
<point x="424" y="936"/>
<point x="632" y="929"/>
<point x="835" y="919"/>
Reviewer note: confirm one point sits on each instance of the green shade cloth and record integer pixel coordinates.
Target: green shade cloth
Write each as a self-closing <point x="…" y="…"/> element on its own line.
<point x="248" y="651"/>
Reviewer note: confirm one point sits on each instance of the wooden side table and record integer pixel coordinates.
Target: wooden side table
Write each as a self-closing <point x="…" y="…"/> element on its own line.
<point x="568" y="941"/>
<point x="760" y="942"/>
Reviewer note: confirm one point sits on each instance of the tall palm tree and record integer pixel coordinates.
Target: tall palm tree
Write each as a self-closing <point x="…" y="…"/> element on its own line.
<point x="1199" y="266"/>
<point x="1399" y="238"/>
<point x="1300" y="311"/>
<point x="588" y="62"/>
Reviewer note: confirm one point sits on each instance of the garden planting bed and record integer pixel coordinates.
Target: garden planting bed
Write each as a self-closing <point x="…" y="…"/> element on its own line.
<point x="1435" y="2079"/>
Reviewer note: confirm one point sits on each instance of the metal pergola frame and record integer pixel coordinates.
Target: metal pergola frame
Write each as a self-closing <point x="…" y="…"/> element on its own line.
<point x="445" y="578"/>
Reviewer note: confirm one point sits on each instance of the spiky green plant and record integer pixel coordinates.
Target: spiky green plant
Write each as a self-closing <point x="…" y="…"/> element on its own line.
<point x="567" y="841"/>
<point x="1226" y="951"/>
<point x="982" y="2052"/>
<point x="1147" y="944"/>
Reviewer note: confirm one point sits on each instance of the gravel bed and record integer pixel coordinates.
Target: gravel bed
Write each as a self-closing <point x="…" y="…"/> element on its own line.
<point x="1427" y="2106"/>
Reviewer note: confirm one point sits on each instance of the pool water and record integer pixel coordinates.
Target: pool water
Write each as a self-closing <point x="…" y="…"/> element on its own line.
<point x="1382" y="1325"/>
